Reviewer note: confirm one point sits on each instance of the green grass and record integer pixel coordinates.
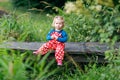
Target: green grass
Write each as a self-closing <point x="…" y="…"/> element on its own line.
<point x="31" y="25"/>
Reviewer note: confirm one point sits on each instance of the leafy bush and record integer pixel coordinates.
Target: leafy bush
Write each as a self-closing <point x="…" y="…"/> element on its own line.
<point x="38" y="5"/>
<point x="94" y="25"/>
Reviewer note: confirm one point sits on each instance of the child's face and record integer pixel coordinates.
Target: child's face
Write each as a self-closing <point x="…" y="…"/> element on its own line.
<point x="58" y="24"/>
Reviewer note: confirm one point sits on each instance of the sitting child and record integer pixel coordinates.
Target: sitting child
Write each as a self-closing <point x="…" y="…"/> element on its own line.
<point x="57" y="38"/>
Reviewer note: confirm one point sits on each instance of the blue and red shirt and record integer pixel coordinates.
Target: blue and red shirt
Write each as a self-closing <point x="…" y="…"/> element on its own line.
<point x="62" y="38"/>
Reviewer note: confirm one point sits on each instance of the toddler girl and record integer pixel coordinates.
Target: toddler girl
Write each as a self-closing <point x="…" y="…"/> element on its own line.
<point x="57" y="37"/>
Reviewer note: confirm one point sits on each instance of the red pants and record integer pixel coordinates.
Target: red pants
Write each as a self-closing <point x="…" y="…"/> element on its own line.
<point x="53" y="45"/>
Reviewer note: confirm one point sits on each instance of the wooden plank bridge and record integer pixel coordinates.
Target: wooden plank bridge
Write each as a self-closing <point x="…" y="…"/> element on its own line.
<point x="80" y="51"/>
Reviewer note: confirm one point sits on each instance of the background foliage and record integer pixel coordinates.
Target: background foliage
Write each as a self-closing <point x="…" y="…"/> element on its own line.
<point x="94" y="20"/>
<point x="39" y="5"/>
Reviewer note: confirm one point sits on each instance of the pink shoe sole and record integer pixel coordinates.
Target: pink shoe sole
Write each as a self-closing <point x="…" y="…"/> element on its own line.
<point x="59" y="62"/>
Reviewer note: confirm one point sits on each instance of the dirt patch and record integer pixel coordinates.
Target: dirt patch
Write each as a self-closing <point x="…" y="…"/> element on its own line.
<point x="2" y="13"/>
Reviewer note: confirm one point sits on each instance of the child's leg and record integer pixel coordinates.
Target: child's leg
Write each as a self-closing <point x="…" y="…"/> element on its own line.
<point x="59" y="53"/>
<point x="44" y="48"/>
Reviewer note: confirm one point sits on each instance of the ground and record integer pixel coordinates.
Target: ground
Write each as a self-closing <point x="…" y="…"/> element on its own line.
<point x="2" y="12"/>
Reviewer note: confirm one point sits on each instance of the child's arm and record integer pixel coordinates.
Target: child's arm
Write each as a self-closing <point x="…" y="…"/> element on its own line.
<point x="64" y="37"/>
<point x="48" y="37"/>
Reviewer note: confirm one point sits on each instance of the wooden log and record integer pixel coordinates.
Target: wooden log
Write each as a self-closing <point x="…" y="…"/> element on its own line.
<point x="70" y="47"/>
<point x="80" y="51"/>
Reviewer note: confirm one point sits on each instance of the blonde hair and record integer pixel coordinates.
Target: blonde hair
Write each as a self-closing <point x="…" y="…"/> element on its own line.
<point x="58" y="18"/>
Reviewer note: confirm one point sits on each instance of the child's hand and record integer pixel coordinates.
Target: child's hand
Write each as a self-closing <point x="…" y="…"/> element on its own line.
<point x="54" y="37"/>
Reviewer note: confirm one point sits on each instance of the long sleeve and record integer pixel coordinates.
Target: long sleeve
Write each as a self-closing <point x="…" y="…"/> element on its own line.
<point x="48" y="37"/>
<point x="64" y="37"/>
